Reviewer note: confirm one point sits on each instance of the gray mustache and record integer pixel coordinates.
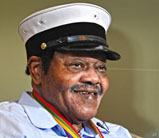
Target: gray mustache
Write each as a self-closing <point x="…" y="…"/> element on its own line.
<point x="85" y="86"/>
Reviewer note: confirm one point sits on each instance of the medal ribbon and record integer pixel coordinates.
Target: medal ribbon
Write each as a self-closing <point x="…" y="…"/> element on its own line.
<point x="68" y="128"/>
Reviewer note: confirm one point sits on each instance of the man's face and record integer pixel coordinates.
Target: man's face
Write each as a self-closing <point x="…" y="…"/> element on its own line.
<point x="75" y="84"/>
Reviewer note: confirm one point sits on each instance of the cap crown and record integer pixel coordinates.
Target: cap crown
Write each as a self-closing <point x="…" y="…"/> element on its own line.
<point x="63" y="15"/>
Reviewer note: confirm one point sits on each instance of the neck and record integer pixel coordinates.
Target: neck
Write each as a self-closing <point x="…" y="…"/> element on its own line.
<point x="77" y="127"/>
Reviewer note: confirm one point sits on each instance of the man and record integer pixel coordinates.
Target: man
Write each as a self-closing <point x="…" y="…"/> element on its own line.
<point x="66" y="52"/>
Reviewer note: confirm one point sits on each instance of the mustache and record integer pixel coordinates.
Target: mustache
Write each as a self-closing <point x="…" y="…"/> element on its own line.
<point x="85" y="86"/>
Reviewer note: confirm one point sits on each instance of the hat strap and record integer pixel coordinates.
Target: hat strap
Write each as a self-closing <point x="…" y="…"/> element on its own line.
<point x="75" y="38"/>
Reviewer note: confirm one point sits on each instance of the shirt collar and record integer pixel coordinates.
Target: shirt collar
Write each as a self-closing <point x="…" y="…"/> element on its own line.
<point x="103" y="128"/>
<point x="38" y="116"/>
<point x="89" y="131"/>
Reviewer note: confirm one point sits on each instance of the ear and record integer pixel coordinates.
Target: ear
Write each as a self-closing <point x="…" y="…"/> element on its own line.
<point x="35" y="69"/>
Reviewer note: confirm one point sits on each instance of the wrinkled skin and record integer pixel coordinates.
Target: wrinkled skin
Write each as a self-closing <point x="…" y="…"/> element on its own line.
<point x="74" y="85"/>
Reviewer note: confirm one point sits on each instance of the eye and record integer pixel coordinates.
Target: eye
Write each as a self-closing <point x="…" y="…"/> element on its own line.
<point x="76" y="66"/>
<point x="102" y="68"/>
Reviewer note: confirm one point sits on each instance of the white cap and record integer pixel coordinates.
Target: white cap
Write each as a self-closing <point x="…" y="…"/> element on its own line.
<point x="63" y="15"/>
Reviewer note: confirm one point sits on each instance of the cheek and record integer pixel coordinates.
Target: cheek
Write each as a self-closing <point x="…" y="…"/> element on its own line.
<point x="63" y="81"/>
<point x="105" y="84"/>
<point x="58" y="79"/>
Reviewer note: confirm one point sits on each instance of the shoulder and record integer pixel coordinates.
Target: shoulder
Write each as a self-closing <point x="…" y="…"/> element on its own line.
<point x="10" y="107"/>
<point x="13" y="120"/>
<point x="12" y="111"/>
<point x="115" y="130"/>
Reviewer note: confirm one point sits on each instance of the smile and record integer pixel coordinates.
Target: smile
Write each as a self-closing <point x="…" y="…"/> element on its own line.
<point x="87" y="93"/>
<point x="86" y="90"/>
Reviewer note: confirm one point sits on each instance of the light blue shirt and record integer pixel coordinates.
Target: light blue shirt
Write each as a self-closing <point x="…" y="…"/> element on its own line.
<point x="26" y="118"/>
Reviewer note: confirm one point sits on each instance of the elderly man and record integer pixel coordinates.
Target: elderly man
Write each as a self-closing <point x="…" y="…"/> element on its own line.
<point x="66" y="52"/>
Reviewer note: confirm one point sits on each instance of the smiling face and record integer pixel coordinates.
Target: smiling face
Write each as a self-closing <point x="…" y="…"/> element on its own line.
<point x="75" y="84"/>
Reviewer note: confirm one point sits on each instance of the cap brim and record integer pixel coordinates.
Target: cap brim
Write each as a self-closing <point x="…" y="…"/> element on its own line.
<point x="109" y="54"/>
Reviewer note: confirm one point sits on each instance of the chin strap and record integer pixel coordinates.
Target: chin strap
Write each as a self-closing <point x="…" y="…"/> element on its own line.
<point x="68" y="128"/>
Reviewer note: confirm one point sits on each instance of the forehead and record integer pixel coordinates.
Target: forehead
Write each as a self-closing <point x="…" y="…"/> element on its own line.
<point x="80" y="54"/>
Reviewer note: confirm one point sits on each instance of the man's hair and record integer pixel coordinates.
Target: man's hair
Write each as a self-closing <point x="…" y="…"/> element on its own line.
<point x="46" y="61"/>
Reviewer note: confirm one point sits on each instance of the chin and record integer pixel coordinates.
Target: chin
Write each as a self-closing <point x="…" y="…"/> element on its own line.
<point x="84" y="116"/>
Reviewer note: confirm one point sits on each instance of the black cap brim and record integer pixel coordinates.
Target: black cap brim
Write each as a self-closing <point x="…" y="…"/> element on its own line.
<point x="109" y="54"/>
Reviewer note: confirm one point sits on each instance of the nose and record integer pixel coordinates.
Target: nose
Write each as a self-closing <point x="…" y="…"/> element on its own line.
<point x="90" y="76"/>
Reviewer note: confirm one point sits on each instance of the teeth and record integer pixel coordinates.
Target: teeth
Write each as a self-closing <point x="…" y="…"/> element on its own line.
<point x="84" y="92"/>
<point x="92" y="93"/>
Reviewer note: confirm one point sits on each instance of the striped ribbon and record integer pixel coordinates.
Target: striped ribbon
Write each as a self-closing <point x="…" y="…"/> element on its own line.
<point x="68" y="128"/>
